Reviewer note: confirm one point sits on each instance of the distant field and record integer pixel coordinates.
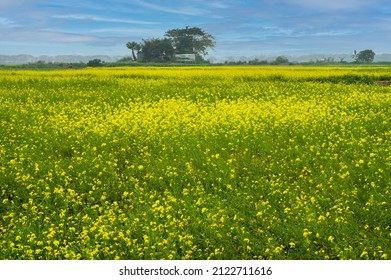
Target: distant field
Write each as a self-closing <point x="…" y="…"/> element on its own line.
<point x="195" y="163"/>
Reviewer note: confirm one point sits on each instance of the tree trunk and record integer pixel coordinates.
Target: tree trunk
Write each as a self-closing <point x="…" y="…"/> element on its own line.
<point x="134" y="56"/>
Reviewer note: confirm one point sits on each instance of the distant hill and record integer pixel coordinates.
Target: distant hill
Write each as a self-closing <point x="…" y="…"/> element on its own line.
<point x="384" y="57"/>
<point x="25" y="58"/>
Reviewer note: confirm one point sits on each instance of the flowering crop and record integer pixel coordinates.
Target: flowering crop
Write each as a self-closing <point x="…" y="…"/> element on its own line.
<point x="195" y="163"/>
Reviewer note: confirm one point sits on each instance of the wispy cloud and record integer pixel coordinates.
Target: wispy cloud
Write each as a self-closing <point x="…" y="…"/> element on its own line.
<point x="219" y="5"/>
<point x="103" y="19"/>
<point x="216" y="4"/>
<point x="189" y="10"/>
<point x="241" y="27"/>
<point x="7" y="23"/>
<point x="48" y="36"/>
<point x="123" y="30"/>
<point x="332" y="33"/>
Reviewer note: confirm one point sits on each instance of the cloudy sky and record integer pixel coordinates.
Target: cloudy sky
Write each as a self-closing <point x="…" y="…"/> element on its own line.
<point x="241" y="27"/>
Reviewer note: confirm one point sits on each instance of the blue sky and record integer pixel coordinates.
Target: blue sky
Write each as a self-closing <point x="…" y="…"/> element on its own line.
<point x="241" y="28"/>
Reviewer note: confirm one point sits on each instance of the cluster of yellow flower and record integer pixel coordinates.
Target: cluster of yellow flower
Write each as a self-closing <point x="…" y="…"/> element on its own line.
<point x="195" y="163"/>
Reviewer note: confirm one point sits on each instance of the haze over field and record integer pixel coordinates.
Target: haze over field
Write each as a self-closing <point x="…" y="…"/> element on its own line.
<point x="242" y="28"/>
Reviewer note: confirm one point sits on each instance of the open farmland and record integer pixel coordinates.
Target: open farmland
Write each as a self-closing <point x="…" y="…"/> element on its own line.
<point x="195" y="163"/>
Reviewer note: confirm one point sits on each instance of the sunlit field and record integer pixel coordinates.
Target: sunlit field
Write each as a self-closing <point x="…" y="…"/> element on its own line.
<point x="195" y="163"/>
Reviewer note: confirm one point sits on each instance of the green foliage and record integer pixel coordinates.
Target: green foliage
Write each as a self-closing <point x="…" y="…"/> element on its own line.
<point x="281" y="60"/>
<point x="177" y="41"/>
<point x="365" y="56"/>
<point x="45" y="65"/>
<point x="190" y="40"/>
<point x="95" y="63"/>
<point x="125" y="59"/>
<point x="135" y="47"/>
<point x="256" y="61"/>
<point x="350" y="79"/>
<point x="155" y="50"/>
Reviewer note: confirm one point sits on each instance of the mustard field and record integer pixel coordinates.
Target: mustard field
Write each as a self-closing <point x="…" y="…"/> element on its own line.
<point x="195" y="163"/>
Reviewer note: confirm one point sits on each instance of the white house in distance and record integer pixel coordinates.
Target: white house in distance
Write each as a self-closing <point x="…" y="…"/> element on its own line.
<point x="185" y="57"/>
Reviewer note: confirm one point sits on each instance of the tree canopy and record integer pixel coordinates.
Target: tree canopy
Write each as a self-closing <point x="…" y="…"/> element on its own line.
<point x="157" y="50"/>
<point x="365" y="56"/>
<point x="135" y="47"/>
<point x="188" y="40"/>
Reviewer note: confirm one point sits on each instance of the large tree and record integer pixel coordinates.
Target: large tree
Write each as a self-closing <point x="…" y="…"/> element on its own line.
<point x="366" y="56"/>
<point x="157" y="50"/>
<point x="190" y="40"/>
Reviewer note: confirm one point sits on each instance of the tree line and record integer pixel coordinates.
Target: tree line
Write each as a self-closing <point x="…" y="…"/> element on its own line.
<point x="362" y="57"/>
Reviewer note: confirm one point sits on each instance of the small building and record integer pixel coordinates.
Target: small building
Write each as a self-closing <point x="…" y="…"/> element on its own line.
<point x="185" y="58"/>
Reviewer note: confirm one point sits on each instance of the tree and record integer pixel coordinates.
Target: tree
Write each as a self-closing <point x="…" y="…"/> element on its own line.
<point x="157" y="50"/>
<point x="95" y="63"/>
<point x="190" y="40"/>
<point x="366" y="56"/>
<point x="281" y="60"/>
<point x="135" y="47"/>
